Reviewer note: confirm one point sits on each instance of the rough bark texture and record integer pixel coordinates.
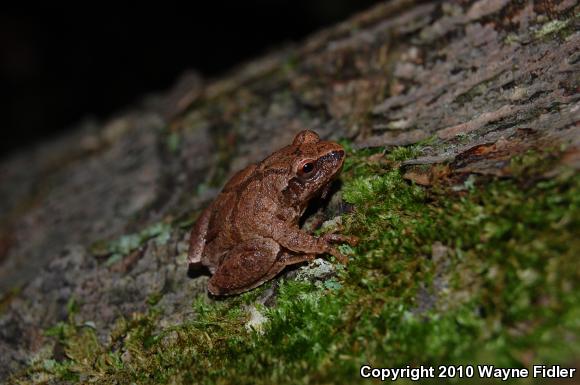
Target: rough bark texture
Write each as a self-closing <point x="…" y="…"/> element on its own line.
<point x="485" y="80"/>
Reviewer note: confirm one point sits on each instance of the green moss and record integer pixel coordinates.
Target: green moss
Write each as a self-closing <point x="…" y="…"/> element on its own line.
<point x="534" y="163"/>
<point x="122" y="246"/>
<point x="485" y="275"/>
<point x="552" y="27"/>
<point x="173" y="142"/>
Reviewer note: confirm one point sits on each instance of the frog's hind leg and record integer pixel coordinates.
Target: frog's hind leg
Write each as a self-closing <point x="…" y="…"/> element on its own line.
<point x="284" y="259"/>
<point x="245" y="267"/>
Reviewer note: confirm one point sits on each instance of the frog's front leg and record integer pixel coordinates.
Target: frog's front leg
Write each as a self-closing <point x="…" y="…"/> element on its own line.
<point x="339" y="238"/>
<point x="297" y="240"/>
<point x="245" y="267"/>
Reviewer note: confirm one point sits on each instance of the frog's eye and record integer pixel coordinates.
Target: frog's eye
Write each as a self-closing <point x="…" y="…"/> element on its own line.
<point x="306" y="169"/>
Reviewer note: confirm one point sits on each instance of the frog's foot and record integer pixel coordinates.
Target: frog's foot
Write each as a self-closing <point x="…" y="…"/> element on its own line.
<point x="340" y="257"/>
<point x="339" y="238"/>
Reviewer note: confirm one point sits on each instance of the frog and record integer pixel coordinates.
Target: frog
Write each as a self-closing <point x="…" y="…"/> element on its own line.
<point x="251" y="231"/>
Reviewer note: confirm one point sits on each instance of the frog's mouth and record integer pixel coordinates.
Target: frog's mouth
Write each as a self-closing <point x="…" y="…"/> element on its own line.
<point x="328" y="167"/>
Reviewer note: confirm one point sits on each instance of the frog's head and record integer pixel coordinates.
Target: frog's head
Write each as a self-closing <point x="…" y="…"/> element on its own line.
<point x="315" y="163"/>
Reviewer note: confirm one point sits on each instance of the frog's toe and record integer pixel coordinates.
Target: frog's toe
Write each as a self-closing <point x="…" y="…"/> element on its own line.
<point x="339" y="238"/>
<point x="338" y="255"/>
<point x="352" y="240"/>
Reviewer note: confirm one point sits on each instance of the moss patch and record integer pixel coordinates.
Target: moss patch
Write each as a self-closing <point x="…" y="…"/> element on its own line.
<point x="552" y="27"/>
<point x="118" y="248"/>
<point x="487" y="274"/>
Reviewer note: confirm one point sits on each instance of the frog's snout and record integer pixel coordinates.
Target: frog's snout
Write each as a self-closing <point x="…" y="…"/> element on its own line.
<point x="337" y="155"/>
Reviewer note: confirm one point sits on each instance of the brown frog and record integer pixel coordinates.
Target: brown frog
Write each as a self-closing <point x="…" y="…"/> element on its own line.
<point x="250" y="232"/>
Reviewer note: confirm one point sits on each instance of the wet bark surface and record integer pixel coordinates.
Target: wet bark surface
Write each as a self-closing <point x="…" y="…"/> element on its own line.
<point x="102" y="215"/>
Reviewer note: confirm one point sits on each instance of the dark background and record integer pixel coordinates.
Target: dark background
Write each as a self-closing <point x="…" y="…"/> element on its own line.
<point x="60" y="64"/>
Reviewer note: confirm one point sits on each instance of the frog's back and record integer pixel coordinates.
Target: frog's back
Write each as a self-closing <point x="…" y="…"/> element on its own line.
<point x="239" y="179"/>
<point x="237" y="208"/>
